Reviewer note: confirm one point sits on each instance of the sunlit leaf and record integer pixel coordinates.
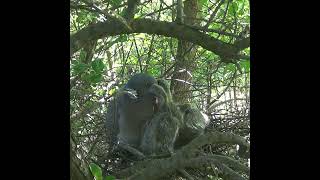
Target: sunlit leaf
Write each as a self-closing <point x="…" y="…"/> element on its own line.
<point x="79" y="67"/>
<point x="230" y="67"/>
<point x="112" y="91"/>
<point x="109" y="178"/>
<point x="96" y="171"/>
<point x="115" y="2"/>
<point x="245" y="65"/>
<point x="233" y="8"/>
<point x="82" y="56"/>
<point x="97" y="65"/>
<point x="95" y="77"/>
<point x="203" y="2"/>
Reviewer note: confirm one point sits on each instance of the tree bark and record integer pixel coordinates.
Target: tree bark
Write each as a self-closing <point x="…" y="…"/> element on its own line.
<point x="169" y="29"/>
<point x="182" y="77"/>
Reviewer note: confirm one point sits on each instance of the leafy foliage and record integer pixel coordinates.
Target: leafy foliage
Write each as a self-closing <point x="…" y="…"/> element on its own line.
<point x="96" y="171"/>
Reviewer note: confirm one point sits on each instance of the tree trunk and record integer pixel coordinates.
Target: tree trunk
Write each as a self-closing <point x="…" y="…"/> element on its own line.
<point x="186" y="53"/>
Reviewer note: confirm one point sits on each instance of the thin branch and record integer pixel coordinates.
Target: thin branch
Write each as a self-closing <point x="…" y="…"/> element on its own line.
<point x="151" y="44"/>
<point x="138" y="54"/>
<point x="213" y="30"/>
<point x="186" y="174"/>
<point x="213" y="14"/>
<point x="217" y="98"/>
<point x="159" y="10"/>
<point x="224" y="102"/>
<point x="149" y="53"/>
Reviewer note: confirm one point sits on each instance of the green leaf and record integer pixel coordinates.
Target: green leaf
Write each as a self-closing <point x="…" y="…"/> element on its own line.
<point x="100" y="92"/>
<point x="203" y="2"/>
<point x="230" y="67"/>
<point x="233" y="8"/>
<point x="97" y="65"/>
<point x="79" y="67"/>
<point x="95" y="77"/>
<point x="109" y="178"/>
<point x="96" y="171"/>
<point x="245" y="65"/>
<point x="112" y="91"/>
<point x="82" y="56"/>
<point x="115" y="2"/>
<point x="122" y="38"/>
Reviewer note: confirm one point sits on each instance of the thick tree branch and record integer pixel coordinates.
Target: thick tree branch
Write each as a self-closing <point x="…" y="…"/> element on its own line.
<point x="182" y="32"/>
<point x="215" y="138"/>
<point x="242" y="43"/>
<point x="186" y="156"/>
<point x="233" y="164"/>
<point x="227" y="173"/>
